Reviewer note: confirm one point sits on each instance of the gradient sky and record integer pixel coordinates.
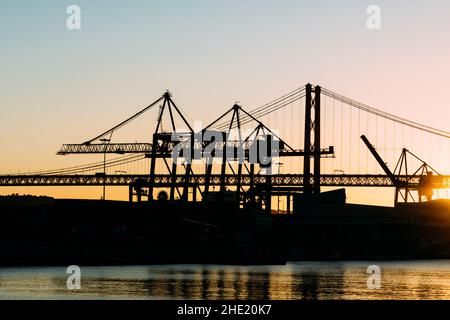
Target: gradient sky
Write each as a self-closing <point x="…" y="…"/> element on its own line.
<point x="59" y="86"/>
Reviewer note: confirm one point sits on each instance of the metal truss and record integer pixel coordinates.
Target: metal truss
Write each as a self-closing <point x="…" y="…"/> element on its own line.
<point x="287" y="180"/>
<point x="119" y="148"/>
<point x="122" y="148"/>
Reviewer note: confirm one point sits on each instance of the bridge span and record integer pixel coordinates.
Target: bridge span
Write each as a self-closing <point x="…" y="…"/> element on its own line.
<point x="166" y="180"/>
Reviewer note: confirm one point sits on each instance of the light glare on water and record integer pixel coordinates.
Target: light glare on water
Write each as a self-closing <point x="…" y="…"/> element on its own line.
<point x="294" y="281"/>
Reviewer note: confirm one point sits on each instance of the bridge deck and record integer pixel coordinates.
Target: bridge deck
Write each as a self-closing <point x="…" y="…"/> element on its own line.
<point x="285" y="180"/>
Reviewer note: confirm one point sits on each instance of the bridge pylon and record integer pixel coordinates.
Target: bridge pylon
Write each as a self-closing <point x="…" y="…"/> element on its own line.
<point x="312" y="139"/>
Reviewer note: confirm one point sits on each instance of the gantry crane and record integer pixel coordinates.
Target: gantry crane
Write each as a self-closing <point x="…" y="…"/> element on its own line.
<point x="165" y="145"/>
<point x="429" y="180"/>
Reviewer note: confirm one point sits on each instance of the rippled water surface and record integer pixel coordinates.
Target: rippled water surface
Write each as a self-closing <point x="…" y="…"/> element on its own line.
<point x="303" y="280"/>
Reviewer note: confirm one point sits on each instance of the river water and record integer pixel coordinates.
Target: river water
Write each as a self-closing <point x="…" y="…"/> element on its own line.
<point x="302" y="280"/>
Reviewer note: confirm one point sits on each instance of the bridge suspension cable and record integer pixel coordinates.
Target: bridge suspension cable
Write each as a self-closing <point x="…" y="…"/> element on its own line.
<point x="268" y="108"/>
<point x="386" y="115"/>
<point x="299" y="93"/>
<point x="89" y="167"/>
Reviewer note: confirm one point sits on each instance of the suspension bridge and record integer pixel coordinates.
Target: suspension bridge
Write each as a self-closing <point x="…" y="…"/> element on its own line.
<point x="326" y="140"/>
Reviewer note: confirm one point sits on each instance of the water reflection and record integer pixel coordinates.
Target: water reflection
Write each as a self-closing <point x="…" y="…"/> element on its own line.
<point x="309" y="285"/>
<point x="306" y="281"/>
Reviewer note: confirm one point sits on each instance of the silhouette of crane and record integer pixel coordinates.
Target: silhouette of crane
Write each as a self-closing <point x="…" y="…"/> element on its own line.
<point x="236" y="170"/>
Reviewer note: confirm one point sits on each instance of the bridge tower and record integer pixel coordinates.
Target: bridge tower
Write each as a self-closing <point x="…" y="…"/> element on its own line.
<point x="312" y="139"/>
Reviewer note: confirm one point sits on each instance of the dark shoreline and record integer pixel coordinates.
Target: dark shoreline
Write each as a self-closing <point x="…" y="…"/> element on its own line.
<point x="45" y="231"/>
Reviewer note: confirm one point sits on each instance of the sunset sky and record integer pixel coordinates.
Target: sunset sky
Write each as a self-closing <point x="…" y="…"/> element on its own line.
<point x="61" y="86"/>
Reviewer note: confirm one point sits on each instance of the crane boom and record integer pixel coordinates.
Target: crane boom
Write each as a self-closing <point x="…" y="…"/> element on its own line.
<point x="379" y="160"/>
<point x="118" y="148"/>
